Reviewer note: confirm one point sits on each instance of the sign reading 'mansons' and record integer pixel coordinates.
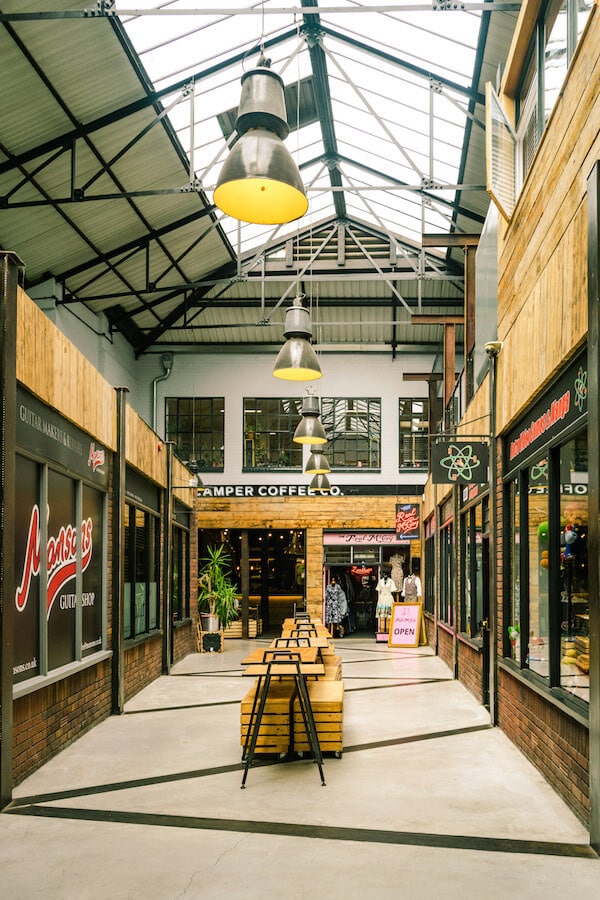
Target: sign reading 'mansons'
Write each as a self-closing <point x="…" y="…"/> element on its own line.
<point x="562" y="405"/>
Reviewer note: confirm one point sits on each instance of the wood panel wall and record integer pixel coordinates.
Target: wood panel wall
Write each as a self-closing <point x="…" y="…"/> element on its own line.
<point x="542" y="297"/>
<point x="144" y="450"/>
<point x="53" y="369"/>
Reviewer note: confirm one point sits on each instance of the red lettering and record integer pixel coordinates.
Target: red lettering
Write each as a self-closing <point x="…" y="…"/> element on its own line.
<point x="31" y="566"/>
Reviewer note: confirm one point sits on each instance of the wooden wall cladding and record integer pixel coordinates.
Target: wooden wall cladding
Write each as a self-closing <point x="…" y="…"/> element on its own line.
<point x="53" y="369"/>
<point x="144" y="450"/>
<point x="542" y="301"/>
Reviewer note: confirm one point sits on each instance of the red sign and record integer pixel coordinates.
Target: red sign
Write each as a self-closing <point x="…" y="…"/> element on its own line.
<point x="408" y="521"/>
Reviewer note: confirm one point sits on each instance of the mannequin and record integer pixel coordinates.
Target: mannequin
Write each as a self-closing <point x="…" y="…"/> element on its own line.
<point x="397" y="573"/>
<point x="385" y="591"/>
<point x="411" y="588"/>
<point x="336" y="607"/>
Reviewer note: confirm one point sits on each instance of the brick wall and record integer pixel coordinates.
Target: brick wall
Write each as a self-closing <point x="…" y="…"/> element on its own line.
<point x="446" y="647"/>
<point x="143" y="663"/>
<point x="48" y="720"/>
<point x="470" y="669"/>
<point x="555" y="743"/>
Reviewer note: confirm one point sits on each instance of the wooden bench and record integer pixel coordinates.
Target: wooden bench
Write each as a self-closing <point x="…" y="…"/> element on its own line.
<point x="274" y="735"/>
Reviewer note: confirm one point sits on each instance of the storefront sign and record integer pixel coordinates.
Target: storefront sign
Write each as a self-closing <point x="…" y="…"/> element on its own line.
<point x="459" y="462"/>
<point x="358" y="538"/>
<point x="405" y="629"/>
<point x="408" y="521"/>
<point x="304" y="490"/>
<point x="561" y="406"/>
<point x="43" y="432"/>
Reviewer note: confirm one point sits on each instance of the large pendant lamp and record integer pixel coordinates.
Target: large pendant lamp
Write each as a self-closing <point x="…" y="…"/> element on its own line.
<point x="316" y="463"/>
<point x="320" y="483"/>
<point x="297" y="360"/>
<point x="259" y="181"/>
<point x="310" y="430"/>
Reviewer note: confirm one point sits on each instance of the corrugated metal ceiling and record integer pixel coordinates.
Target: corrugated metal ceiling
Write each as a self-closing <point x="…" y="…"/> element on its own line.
<point x="98" y="191"/>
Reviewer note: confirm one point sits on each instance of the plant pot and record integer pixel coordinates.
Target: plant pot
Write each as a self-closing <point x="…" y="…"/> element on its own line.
<point x="209" y="622"/>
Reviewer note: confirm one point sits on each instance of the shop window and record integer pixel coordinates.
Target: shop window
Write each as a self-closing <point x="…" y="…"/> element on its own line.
<point x="473" y="526"/>
<point x="48" y="632"/>
<point x="513" y="630"/>
<point x="180" y="580"/>
<point x="548" y="568"/>
<point x="269" y="426"/>
<point x="413" y="430"/>
<point x="429" y="586"/>
<point x="196" y="425"/>
<point x="353" y="428"/>
<point x="142" y="541"/>
<point x="447" y="574"/>
<point x="574" y="590"/>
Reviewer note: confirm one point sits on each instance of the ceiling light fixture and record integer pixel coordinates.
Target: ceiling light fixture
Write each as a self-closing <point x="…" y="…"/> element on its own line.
<point x="321" y="483"/>
<point x="260" y="182"/>
<point x="316" y="463"/>
<point x="310" y="430"/>
<point x="297" y="361"/>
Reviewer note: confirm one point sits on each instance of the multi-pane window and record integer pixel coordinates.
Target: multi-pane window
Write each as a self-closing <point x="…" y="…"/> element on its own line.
<point x="552" y="46"/>
<point x="447" y="556"/>
<point x="548" y="606"/>
<point x="196" y="425"/>
<point x="353" y="429"/>
<point x="269" y="426"/>
<point x="413" y="430"/>
<point x="474" y="524"/>
<point x="180" y="578"/>
<point x="141" y="598"/>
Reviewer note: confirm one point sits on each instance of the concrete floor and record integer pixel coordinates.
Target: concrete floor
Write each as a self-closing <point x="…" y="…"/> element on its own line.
<point x="425" y="800"/>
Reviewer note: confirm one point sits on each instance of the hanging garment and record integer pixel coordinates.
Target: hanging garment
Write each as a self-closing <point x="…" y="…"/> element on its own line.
<point x="336" y="605"/>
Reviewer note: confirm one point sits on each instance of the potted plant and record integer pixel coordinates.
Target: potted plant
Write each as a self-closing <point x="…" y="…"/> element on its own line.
<point x="217" y="597"/>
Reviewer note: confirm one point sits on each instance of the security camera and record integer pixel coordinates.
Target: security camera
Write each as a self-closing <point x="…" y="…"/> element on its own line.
<point x="493" y="348"/>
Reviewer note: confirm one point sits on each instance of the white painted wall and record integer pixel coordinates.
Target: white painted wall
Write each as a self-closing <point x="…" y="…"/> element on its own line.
<point x="234" y="376"/>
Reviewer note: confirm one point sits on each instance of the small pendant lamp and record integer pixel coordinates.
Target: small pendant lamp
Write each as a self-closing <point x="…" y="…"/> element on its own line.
<point x="260" y="182"/>
<point x="320" y="483"/>
<point x="297" y="360"/>
<point x="310" y="430"/>
<point x="317" y="462"/>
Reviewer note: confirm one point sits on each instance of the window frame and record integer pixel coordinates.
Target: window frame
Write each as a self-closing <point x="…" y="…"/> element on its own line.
<point x="418" y="434"/>
<point x="342" y="449"/>
<point x="259" y="426"/>
<point x="205" y="448"/>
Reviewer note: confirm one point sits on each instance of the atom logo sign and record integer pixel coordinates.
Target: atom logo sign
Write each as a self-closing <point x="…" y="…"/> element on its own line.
<point x="454" y="462"/>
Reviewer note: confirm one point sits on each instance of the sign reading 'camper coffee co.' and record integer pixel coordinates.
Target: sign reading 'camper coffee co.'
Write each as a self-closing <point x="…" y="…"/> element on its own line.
<point x="43" y="432"/>
<point x="561" y="406"/>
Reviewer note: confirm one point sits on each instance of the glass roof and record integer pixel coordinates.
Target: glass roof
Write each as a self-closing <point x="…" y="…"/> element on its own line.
<point x="384" y="92"/>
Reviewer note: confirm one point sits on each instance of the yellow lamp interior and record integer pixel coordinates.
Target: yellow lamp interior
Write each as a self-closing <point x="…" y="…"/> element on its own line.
<point x="260" y="201"/>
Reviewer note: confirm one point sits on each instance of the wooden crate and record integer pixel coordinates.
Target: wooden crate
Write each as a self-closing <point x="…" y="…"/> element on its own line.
<point x="274" y="735"/>
<point x="327" y="701"/>
<point x="234" y="629"/>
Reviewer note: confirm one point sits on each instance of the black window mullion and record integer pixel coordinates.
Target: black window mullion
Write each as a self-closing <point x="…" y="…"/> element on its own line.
<point x="554" y="565"/>
<point x="524" y="566"/>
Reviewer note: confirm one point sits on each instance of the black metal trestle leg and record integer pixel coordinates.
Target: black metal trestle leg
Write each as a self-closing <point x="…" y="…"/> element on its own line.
<point x="260" y="697"/>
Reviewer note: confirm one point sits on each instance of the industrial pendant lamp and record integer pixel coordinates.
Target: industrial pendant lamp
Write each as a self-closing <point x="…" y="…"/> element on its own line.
<point x="260" y="182"/>
<point x="320" y="483"/>
<point x="310" y="430"/>
<point x="297" y="361"/>
<point x="317" y="462"/>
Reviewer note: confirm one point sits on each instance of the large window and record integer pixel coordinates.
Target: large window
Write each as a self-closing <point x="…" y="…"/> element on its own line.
<point x="552" y="46"/>
<point x="547" y="612"/>
<point x="447" y="563"/>
<point x="196" y="425"/>
<point x="413" y="431"/>
<point x="59" y="596"/>
<point x="142" y="542"/>
<point x="269" y="426"/>
<point x="353" y="428"/>
<point x="474" y="525"/>
<point x="180" y="574"/>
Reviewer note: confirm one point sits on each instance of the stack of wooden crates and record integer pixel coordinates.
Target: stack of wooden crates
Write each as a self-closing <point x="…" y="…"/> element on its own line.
<point x="282" y="727"/>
